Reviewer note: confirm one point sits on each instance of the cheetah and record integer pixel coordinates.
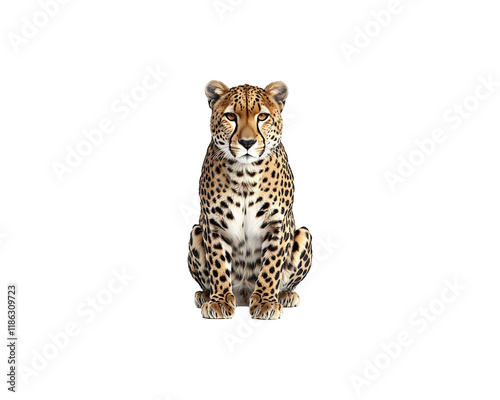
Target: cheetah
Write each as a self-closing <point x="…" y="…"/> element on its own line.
<point x="245" y="250"/>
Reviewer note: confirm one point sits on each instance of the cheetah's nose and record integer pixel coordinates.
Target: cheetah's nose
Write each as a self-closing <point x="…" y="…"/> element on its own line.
<point x="247" y="143"/>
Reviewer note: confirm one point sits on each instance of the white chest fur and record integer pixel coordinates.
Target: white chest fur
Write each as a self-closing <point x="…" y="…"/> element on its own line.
<point x="245" y="229"/>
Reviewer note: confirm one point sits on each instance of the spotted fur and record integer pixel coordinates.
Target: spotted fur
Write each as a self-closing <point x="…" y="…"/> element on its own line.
<point x="246" y="249"/>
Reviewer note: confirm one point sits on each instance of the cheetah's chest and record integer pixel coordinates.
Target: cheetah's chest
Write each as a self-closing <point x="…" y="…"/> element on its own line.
<point x="245" y="229"/>
<point x="247" y="235"/>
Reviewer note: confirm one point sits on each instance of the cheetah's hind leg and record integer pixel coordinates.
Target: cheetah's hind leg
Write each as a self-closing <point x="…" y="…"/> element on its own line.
<point x="197" y="266"/>
<point x="299" y="265"/>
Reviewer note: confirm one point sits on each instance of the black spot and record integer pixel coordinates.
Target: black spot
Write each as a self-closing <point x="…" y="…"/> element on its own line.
<point x="214" y="222"/>
<point x="264" y="207"/>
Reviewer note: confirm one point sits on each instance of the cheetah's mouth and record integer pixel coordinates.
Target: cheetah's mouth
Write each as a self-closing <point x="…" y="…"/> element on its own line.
<point x="246" y="158"/>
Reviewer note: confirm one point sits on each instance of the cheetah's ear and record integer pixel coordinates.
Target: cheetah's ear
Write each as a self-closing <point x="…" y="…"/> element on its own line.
<point x="279" y="92"/>
<point x="214" y="90"/>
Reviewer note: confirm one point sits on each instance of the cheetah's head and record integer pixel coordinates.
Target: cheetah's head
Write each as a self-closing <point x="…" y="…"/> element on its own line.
<point x="246" y="120"/>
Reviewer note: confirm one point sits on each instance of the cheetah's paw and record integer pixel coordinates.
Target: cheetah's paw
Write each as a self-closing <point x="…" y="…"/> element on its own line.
<point x="219" y="309"/>
<point x="266" y="310"/>
<point x="289" y="299"/>
<point x="201" y="297"/>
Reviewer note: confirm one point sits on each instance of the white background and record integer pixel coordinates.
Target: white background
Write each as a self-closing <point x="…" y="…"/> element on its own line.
<point x="130" y="204"/>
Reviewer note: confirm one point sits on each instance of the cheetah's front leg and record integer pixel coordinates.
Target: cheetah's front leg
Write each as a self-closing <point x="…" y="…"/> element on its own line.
<point x="222" y="302"/>
<point x="264" y="300"/>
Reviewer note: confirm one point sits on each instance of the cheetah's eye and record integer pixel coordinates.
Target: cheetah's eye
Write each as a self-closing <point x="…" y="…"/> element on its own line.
<point x="263" y="116"/>
<point x="230" y="116"/>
